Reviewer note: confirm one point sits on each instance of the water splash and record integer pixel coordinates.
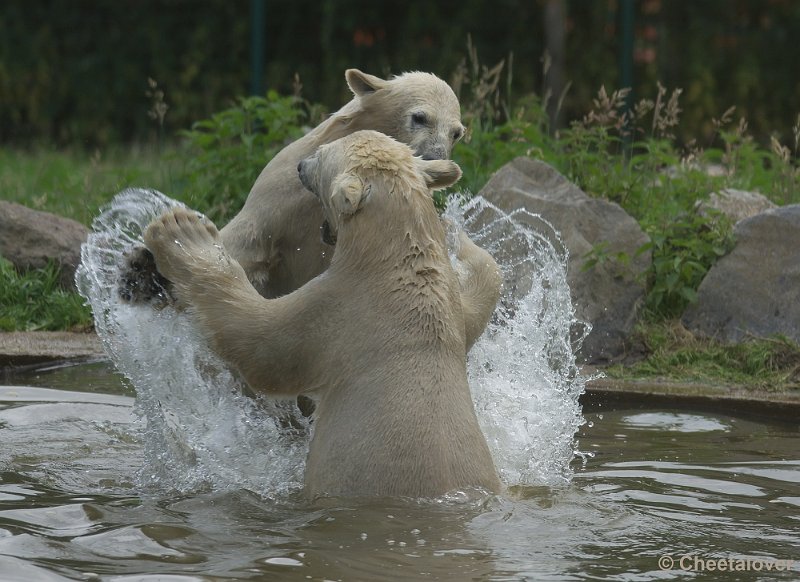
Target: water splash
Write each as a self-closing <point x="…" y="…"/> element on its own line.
<point x="522" y="371"/>
<point x="202" y="430"/>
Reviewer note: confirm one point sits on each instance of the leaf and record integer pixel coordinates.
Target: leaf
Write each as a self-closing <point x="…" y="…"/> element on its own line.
<point x="689" y="294"/>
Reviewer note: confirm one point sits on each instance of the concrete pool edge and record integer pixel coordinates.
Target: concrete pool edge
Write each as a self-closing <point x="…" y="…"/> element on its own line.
<point x="648" y="393"/>
<point x="26" y="349"/>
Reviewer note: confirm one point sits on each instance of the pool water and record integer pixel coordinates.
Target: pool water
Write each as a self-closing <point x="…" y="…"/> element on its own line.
<point x="658" y="494"/>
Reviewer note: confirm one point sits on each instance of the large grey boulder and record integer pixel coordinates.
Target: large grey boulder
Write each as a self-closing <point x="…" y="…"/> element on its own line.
<point x="608" y="294"/>
<point x="736" y="204"/>
<point x="29" y="238"/>
<point x="755" y="289"/>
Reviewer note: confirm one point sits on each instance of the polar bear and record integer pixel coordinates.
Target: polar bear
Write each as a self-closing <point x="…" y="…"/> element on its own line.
<point x="379" y="337"/>
<point x="280" y="237"/>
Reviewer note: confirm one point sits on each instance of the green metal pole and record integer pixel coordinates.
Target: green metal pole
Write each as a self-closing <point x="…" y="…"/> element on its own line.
<point x="626" y="48"/>
<point x="626" y="61"/>
<point x="257" y="44"/>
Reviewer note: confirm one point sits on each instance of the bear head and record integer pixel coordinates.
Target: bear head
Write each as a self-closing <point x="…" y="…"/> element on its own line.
<point x="370" y="169"/>
<point x="418" y="109"/>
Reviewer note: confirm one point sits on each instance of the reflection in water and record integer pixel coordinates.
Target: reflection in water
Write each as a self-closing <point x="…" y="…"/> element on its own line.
<point x="69" y="507"/>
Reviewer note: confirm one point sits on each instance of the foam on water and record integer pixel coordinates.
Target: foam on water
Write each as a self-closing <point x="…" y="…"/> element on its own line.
<point x="202" y="430"/>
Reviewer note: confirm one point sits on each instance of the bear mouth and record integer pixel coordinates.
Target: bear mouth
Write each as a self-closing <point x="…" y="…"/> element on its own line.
<point x="327" y="235"/>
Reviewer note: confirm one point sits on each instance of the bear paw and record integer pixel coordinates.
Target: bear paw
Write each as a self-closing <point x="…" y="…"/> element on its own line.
<point x="185" y="244"/>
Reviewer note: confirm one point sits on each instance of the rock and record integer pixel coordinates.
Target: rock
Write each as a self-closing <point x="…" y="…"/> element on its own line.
<point x="754" y="289"/>
<point x="736" y="204"/>
<point x="607" y="295"/>
<point x="29" y="238"/>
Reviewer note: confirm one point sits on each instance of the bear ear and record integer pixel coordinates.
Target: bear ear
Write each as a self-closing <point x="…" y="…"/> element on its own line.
<point x="361" y="83"/>
<point x="439" y="174"/>
<point x="348" y="194"/>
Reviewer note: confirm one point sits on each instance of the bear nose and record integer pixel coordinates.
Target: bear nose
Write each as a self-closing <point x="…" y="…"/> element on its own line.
<point x="437" y="152"/>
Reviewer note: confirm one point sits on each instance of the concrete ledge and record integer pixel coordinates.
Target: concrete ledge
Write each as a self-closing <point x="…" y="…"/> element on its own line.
<point x="27" y="348"/>
<point x="20" y="349"/>
<point x="649" y="393"/>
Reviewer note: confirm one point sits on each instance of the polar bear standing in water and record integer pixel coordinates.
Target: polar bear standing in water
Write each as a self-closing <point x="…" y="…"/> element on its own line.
<point x="380" y="338"/>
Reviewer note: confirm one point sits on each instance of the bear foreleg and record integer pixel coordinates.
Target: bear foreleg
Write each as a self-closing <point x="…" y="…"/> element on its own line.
<point x="480" y="283"/>
<point x="259" y="337"/>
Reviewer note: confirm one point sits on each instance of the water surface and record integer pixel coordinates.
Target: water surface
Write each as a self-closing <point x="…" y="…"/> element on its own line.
<point x="660" y="484"/>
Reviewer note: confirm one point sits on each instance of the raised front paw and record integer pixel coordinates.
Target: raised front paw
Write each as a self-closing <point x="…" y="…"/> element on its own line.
<point x="184" y="243"/>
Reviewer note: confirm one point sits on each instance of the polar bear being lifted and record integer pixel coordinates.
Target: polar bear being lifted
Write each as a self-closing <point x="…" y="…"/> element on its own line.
<point x="380" y="337"/>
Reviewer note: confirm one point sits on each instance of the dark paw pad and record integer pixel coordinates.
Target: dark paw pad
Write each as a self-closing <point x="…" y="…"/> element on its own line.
<point x="140" y="281"/>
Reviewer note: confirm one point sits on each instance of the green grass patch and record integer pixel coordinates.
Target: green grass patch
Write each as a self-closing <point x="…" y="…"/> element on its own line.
<point x="34" y="301"/>
<point x="771" y="364"/>
<point x="75" y="183"/>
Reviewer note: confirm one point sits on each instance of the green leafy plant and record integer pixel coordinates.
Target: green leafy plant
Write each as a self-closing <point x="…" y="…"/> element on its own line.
<point x="490" y="146"/>
<point x="600" y="255"/>
<point x="496" y="132"/>
<point x="227" y="151"/>
<point x="682" y="251"/>
<point x="34" y="301"/>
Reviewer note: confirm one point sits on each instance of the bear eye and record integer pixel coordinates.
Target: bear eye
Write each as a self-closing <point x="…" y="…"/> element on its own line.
<point x="419" y="118"/>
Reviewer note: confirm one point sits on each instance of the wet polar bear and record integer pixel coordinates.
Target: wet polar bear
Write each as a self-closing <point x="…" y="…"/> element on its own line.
<point x="380" y="337"/>
<point x="276" y="236"/>
<point x="280" y="237"/>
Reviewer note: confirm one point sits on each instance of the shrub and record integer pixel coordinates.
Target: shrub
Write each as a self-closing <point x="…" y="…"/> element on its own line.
<point x="227" y="152"/>
<point x="682" y="251"/>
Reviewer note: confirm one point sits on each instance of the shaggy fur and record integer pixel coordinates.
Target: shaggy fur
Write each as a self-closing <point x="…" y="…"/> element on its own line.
<point x="277" y="235"/>
<point x="380" y="337"/>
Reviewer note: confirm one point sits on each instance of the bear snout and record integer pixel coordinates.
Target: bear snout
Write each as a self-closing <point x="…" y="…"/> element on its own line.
<point x="437" y="152"/>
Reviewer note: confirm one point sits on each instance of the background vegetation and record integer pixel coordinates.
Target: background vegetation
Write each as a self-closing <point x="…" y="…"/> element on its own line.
<point x="86" y="117"/>
<point x="75" y="73"/>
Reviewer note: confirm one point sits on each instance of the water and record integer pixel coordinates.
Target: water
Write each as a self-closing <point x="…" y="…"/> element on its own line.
<point x="168" y="471"/>
<point x="661" y="484"/>
<point x="203" y="432"/>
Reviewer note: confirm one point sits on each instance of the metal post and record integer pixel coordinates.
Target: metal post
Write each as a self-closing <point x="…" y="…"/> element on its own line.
<point x="257" y="43"/>
<point x="626" y="60"/>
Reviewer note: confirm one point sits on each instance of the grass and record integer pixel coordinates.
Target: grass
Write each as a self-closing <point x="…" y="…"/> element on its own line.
<point x="34" y="301"/>
<point x="771" y="364"/>
<point x="75" y="183"/>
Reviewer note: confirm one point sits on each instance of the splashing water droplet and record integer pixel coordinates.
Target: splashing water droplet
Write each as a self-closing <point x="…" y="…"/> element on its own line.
<point x="522" y="371"/>
<point x="201" y="430"/>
